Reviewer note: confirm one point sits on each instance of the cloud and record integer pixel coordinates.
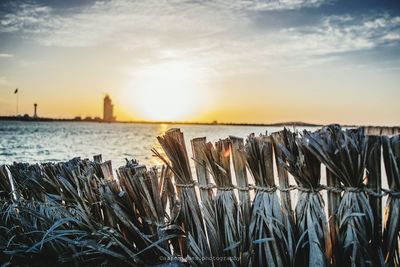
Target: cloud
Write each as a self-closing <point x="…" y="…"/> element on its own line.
<point x="26" y="17"/>
<point x="220" y="34"/>
<point x="338" y="34"/>
<point x="301" y="47"/>
<point x="131" y="23"/>
<point x="391" y="36"/>
<point x="274" y="5"/>
<point x="136" y="23"/>
<point x="5" y="55"/>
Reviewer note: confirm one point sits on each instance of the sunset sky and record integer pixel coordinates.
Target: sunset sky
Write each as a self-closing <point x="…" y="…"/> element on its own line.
<point x="233" y="61"/>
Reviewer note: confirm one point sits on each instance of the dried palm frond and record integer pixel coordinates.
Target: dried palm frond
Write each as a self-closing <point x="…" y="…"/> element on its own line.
<point x="285" y="196"/>
<point x="239" y="166"/>
<point x="267" y="229"/>
<point x="68" y="215"/>
<point x="226" y="207"/>
<point x="374" y="183"/>
<point x="344" y="153"/>
<point x="334" y="199"/>
<point x="6" y="184"/>
<point x="149" y="189"/>
<point x="190" y="217"/>
<point x="207" y="198"/>
<point x="311" y="223"/>
<point x="28" y="181"/>
<point x="391" y="233"/>
<point x="150" y="240"/>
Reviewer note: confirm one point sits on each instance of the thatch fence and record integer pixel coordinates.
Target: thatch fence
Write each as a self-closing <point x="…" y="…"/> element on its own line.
<point x="284" y="199"/>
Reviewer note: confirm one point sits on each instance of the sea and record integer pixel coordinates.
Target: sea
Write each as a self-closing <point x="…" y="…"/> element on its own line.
<point x="37" y="142"/>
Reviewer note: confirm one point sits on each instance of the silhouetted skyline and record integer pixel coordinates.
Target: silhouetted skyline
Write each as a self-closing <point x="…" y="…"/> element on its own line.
<point x="317" y="61"/>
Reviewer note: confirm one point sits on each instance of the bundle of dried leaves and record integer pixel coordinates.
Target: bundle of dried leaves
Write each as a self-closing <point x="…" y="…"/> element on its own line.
<point x="311" y="224"/>
<point x="391" y="233"/>
<point x="190" y="217"/>
<point x="271" y="243"/>
<point x="344" y="153"/>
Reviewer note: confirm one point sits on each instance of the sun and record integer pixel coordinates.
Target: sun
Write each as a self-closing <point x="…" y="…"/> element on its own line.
<point x="167" y="92"/>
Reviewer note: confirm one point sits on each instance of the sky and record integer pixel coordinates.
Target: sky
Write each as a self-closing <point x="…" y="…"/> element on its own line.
<point x="316" y="61"/>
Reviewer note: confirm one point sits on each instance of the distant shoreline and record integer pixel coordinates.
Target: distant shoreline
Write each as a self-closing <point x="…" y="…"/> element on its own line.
<point x="25" y="118"/>
<point x="278" y="124"/>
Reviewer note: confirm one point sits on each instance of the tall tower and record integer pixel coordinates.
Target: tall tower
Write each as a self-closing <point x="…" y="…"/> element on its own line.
<point x="35" y="110"/>
<point x="108" y="110"/>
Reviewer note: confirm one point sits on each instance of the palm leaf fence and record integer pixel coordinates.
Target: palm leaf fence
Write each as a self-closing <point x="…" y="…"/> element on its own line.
<point x="253" y="202"/>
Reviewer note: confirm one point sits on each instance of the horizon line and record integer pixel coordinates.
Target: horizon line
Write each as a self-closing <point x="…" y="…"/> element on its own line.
<point x="285" y="123"/>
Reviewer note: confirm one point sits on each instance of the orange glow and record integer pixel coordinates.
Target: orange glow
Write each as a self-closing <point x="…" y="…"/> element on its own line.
<point x="227" y="153"/>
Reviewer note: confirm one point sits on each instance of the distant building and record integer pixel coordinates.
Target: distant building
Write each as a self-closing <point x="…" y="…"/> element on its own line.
<point x="35" y="111"/>
<point x="108" y="110"/>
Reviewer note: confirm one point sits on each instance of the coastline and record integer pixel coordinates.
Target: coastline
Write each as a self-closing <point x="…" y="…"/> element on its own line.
<point x="374" y="128"/>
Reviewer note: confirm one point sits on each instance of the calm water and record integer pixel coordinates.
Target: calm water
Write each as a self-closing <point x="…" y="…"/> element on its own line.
<point x="60" y="141"/>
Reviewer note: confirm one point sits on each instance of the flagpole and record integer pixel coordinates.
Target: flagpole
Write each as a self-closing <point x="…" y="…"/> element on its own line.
<point x="17" y="101"/>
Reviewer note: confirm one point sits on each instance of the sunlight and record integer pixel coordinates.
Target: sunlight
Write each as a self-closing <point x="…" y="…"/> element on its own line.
<point x="167" y="92"/>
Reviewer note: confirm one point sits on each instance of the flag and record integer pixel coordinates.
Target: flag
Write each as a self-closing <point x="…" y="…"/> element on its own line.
<point x="16" y="91"/>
